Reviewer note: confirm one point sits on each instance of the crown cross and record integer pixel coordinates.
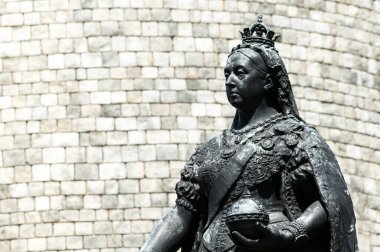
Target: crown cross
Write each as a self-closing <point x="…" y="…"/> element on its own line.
<point x="259" y="32"/>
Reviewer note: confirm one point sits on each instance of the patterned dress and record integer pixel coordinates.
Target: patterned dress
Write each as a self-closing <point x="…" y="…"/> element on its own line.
<point x="275" y="163"/>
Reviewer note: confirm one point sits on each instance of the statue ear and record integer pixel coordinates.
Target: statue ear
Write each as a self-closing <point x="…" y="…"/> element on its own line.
<point x="268" y="82"/>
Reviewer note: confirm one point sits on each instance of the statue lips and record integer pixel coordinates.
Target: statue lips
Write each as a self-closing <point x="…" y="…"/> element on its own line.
<point x="233" y="94"/>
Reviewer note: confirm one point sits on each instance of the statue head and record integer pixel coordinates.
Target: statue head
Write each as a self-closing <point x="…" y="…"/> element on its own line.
<point x="258" y="53"/>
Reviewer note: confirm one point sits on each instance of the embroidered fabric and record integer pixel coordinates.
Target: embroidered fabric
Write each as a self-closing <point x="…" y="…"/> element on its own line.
<point x="279" y="150"/>
<point x="298" y="231"/>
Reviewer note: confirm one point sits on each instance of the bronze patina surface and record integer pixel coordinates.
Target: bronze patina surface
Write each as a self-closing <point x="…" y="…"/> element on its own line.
<point x="270" y="155"/>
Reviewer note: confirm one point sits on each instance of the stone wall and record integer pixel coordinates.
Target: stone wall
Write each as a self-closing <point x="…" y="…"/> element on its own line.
<point x="102" y="102"/>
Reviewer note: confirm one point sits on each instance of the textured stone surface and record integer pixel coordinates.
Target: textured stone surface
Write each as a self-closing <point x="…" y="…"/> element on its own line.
<point x="102" y="102"/>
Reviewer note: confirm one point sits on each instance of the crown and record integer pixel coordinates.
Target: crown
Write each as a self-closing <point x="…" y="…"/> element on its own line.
<point x="259" y="32"/>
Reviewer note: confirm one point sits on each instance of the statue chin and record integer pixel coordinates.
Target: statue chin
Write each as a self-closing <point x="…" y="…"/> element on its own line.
<point x="243" y="216"/>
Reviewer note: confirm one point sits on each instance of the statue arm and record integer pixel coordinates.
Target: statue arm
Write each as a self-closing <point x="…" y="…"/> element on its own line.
<point x="314" y="218"/>
<point x="170" y="231"/>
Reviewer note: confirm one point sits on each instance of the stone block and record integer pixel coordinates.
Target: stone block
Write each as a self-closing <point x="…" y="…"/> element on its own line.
<point x="23" y="173"/>
<point x="62" y="172"/>
<point x="100" y="14"/>
<point x="184" y="44"/>
<point x="142" y="200"/>
<point x="95" y="187"/>
<point x="112" y="154"/>
<point x="95" y="241"/>
<point x="18" y="190"/>
<point x="5" y="34"/>
<point x="91" y="59"/>
<point x="184" y="30"/>
<point x="112" y="171"/>
<point x="18" y="245"/>
<point x="56" y="203"/>
<point x="92" y="202"/>
<point x="11" y="49"/>
<point x="194" y="59"/>
<point x="27" y="231"/>
<point x="63" y="229"/>
<point x="17" y="218"/>
<point x="13" y="157"/>
<point x="125" y="201"/>
<point x="151" y="213"/>
<point x="121" y="227"/>
<point x="44" y="230"/>
<point x="37" y="244"/>
<point x="104" y="124"/>
<point x="103" y="227"/>
<point x="83" y="124"/>
<point x="157" y="136"/>
<point x="65" y="139"/>
<point x="83" y="228"/>
<point x="141" y="226"/>
<point x="111" y="110"/>
<point x="94" y="155"/>
<point x="186" y="122"/>
<point x="15" y="128"/>
<point x="147" y="152"/>
<point x="118" y="97"/>
<point x="109" y="201"/>
<point x="137" y="44"/>
<point x="112" y="187"/>
<point x="23" y="114"/>
<point x="99" y="44"/>
<point x="56" y="243"/>
<point x="4" y="219"/>
<point x="33" y="156"/>
<point x="74" y="242"/>
<point x="114" y="241"/>
<point x="116" y="138"/>
<point x="53" y="155"/>
<point x="133" y="240"/>
<point x="74" y="202"/>
<point x="7" y="142"/>
<point x="129" y="186"/>
<point x="26" y="204"/>
<point x="74" y="30"/>
<point x="35" y="188"/>
<point x="151" y="185"/>
<point x="167" y="152"/>
<point x="14" y="19"/>
<point x="42" y="203"/>
<point x="204" y="45"/>
<point x="135" y="170"/>
<point x="40" y="172"/>
<point x="157" y="169"/>
<point x="73" y="187"/>
<point x="9" y="232"/>
<point x="57" y="30"/>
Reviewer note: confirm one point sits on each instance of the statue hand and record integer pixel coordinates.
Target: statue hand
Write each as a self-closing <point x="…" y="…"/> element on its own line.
<point x="270" y="239"/>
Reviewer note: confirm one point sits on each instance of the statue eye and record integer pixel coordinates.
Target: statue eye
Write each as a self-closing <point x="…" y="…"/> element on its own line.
<point x="226" y="75"/>
<point x="240" y="73"/>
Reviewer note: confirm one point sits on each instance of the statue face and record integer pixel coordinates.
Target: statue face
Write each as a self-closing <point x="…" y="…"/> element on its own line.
<point x="244" y="82"/>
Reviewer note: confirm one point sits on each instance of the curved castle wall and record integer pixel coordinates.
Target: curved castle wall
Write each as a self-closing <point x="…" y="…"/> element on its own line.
<point x="102" y="102"/>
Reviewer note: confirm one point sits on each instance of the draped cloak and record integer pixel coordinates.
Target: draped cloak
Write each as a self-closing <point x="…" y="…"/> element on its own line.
<point x="299" y="146"/>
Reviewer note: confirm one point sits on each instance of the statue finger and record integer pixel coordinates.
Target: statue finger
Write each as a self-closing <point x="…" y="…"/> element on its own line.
<point x="242" y="240"/>
<point x="263" y="229"/>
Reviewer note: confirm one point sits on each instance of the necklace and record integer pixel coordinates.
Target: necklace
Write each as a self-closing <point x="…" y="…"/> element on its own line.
<point x="232" y="138"/>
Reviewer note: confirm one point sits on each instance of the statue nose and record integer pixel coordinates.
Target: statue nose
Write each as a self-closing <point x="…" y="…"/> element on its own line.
<point x="230" y="84"/>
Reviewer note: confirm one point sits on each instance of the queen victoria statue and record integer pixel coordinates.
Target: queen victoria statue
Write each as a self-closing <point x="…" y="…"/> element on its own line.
<point x="269" y="182"/>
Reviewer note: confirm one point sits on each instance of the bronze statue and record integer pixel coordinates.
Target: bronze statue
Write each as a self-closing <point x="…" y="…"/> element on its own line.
<point x="270" y="182"/>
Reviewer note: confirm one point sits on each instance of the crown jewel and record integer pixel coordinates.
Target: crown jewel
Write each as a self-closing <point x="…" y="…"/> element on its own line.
<point x="259" y="32"/>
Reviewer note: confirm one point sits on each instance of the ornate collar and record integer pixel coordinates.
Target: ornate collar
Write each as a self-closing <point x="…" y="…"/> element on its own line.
<point x="233" y="138"/>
